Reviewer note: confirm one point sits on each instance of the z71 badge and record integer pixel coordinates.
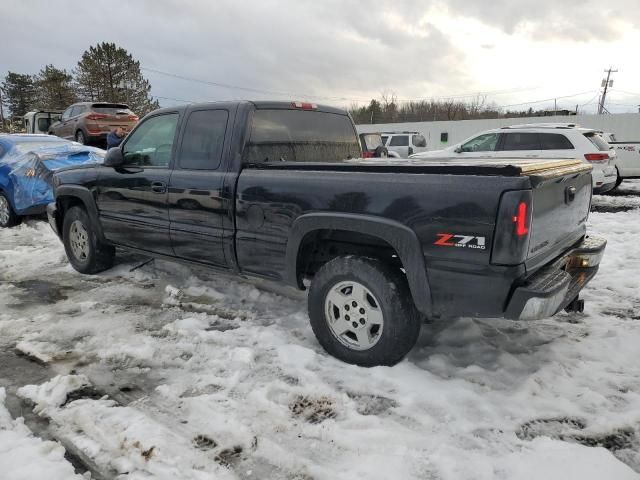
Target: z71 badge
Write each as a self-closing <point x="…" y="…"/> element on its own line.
<point x="460" y="241"/>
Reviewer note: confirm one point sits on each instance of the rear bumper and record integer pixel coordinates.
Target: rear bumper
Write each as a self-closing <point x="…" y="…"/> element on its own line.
<point x="52" y="212"/>
<point x="553" y="287"/>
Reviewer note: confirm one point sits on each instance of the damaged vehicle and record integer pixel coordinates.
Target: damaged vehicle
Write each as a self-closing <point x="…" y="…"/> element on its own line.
<point x="27" y="164"/>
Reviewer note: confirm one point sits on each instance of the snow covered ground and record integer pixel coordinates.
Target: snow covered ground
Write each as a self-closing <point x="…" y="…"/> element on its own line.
<point x="172" y="373"/>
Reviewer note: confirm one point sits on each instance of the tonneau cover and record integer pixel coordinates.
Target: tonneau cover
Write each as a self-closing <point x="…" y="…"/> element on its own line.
<point x="506" y="167"/>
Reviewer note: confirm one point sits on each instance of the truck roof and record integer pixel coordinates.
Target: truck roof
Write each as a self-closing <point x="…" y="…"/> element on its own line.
<point x="259" y="105"/>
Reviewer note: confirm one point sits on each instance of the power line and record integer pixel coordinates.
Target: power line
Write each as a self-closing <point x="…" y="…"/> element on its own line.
<point x="247" y="89"/>
<point x="545" y="100"/>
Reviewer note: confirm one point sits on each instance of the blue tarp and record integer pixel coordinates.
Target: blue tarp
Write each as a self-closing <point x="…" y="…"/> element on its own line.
<point x="32" y="167"/>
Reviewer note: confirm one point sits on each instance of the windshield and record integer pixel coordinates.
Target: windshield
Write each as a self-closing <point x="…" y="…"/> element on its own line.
<point x="112" y="109"/>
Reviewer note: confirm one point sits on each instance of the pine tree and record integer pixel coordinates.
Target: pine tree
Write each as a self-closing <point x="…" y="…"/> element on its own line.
<point x="109" y="73"/>
<point x="19" y="93"/>
<point x="54" y="88"/>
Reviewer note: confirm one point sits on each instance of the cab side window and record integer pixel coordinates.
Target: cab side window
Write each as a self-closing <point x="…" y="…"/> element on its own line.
<point x="151" y="144"/>
<point x="203" y="140"/>
<point x="482" y="143"/>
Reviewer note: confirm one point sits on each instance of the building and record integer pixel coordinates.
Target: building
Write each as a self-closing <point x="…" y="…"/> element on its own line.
<point x="439" y="135"/>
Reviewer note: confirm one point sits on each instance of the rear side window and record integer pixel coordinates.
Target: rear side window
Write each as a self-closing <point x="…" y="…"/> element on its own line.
<point x="203" y="140"/>
<point x="419" y="141"/>
<point x="598" y="141"/>
<point x="521" y="141"/>
<point x="555" y="141"/>
<point x="399" y="141"/>
<point x="300" y="136"/>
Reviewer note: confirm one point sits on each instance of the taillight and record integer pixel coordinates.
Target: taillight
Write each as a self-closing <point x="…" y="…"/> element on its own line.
<point x="513" y="228"/>
<point x="366" y="154"/>
<point x="304" y="105"/>
<point x="522" y="219"/>
<point x="597" y="157"/>
<point x="96" y="116"/>
<point x="135" y="118"/>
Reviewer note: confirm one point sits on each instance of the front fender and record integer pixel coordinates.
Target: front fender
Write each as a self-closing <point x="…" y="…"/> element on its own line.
<point x="403" y="240"/>
<point x="85" y="197"/>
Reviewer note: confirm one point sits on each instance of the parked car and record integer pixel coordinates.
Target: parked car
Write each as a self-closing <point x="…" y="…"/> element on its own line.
<point x="539" y="140"/>
<point x="404" y="143"/>
<point x="40" y="121"/>
<point x="90" y="122"/>
<point x="27" y="163"/>
<point x="381" y="244"/>
<point x="372" y="147"/>
<point x="627" y="160"/>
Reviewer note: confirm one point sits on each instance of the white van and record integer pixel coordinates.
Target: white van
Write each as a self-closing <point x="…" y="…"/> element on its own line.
<point x="39" y="121"/>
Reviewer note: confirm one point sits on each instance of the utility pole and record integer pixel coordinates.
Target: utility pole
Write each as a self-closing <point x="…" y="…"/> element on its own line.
<point x="606" y="84"/>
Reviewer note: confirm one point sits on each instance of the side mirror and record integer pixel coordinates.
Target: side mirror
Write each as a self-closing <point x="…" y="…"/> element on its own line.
<point x="114" y="157"/>
<point x="458" y="149"/>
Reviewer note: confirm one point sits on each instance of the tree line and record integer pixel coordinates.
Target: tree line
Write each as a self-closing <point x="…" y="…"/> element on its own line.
<point x="389" y="110"/>
<point x="105" y="73"/>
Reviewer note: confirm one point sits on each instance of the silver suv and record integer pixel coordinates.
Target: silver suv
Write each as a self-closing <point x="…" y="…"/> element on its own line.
<point x="404" y="143"/>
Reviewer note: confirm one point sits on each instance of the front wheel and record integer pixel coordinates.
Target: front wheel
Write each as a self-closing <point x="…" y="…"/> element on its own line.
<point x="8" y="218"/>
<point x="362" y="312"/>
<point x="86" y="253"/>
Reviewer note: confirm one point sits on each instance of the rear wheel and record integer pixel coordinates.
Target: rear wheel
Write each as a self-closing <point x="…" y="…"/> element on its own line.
<point x="361" y="311"/>
<point x="8" y="218"/>
<point x="86" y="253"/>
<point x="80" y="138"/>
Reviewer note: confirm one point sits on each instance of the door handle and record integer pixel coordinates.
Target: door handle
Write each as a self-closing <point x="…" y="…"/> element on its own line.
<point x="158" y="187"/>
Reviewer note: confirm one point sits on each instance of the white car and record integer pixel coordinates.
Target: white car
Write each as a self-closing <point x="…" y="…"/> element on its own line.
<point x="541" y="140"/>
<point x="627" y="161"/>
<point x="404" y="143"/>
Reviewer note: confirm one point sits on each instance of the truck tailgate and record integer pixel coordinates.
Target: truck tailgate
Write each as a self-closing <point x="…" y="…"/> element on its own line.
<point x="560" y="208"/>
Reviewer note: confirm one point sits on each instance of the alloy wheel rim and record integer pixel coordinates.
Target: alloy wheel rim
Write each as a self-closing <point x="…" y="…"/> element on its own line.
<point x="4" y="211"/>
<point x="353" y="315"/>
<point x="79" y="240"/>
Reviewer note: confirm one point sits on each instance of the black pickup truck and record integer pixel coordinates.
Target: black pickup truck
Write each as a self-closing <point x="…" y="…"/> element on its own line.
<point x="279" y="191"/>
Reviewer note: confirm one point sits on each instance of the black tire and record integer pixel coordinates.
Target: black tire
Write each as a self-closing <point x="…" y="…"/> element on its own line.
<point x="401" y="321"/>
<point x="80" y="137"/>
<point x="618" y="179"/>
<point x="8" y="218"/>
<point x="98" y="256"/>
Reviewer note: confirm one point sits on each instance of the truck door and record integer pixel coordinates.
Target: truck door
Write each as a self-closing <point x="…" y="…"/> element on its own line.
<point x="197" y="207"/>
<point x="132" y="198"/>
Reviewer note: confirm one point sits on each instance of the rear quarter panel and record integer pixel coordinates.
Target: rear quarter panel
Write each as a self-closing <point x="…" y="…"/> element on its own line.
<point x="269" y="201"/>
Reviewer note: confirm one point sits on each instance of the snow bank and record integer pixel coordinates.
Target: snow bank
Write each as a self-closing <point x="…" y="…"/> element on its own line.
<point x="25" y="457"/>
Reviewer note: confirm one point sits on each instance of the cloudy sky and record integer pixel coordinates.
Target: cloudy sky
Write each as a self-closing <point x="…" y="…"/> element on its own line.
<point x="346" y="51"/>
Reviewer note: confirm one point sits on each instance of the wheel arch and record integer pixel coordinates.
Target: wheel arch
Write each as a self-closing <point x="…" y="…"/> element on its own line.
<point x="399" y="237"/>
<point x="68" y="196"/>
